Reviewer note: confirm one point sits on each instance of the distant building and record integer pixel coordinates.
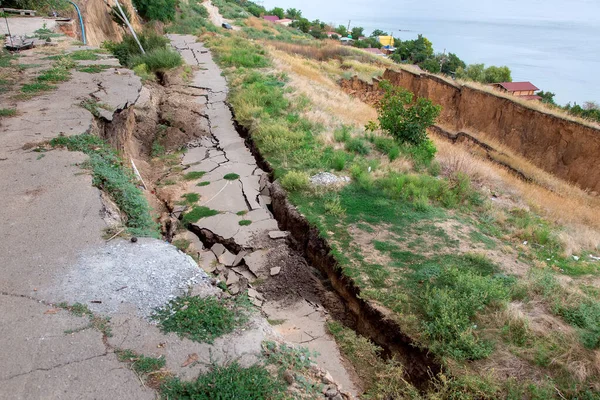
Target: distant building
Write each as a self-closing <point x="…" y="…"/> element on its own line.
<point x="271" y="18"/>
<point x="346" y="41"/>
<point x="524" y="90"/>
<point x="285" y="21"/>
<point x="330" y="34"/>
<point x="386" y="41"/>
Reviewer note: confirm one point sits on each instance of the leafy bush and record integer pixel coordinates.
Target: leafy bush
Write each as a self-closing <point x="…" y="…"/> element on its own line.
<point x="358" y="145"/>
<point x="161" y="10"/>
<point x="450" y="301"/>
<point x="403" y="120"/>
<point x="295" y="181"/>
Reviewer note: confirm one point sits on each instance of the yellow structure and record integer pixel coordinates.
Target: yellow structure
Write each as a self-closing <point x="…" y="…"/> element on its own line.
<point x="386" y="41"/>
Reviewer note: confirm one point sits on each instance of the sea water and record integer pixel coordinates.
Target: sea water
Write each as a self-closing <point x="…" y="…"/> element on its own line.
<point x="555" y="44"/>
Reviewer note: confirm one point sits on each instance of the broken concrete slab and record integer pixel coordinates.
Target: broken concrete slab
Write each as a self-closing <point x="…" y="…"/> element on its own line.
<point x="227" y="258"/>
<point x="278" y="234"/>
<point x="232" y="278"/>
<point x="207" y="261"/>
<point x="257" y="261"/>
<point x="239" y="257"/>
<point x="218" y="249"/>
<point x="224" y="225"/>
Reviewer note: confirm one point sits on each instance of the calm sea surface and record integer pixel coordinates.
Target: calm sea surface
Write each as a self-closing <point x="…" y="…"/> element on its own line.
<point x="555" y="44"/>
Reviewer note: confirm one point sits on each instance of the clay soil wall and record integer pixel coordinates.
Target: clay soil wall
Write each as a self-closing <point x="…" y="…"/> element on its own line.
<point x="567" y="149"/>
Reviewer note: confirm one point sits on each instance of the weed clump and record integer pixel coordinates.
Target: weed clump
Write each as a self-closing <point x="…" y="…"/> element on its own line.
<point x="202" y="319"/>
<point x="295" y="181"/>
<point x="190" y="176"/>
<point x="197" y="213"/>
<point x="140" y="363"/>
<point x="226" y="382"/>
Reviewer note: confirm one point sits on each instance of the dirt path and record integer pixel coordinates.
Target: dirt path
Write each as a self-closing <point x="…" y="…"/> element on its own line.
<point x="216" y="17"/>
<point x="247" y="247"/>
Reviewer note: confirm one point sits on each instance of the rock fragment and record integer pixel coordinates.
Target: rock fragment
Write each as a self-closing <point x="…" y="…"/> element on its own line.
<point x="275" y="271"/>
<point x="278" y="234"/>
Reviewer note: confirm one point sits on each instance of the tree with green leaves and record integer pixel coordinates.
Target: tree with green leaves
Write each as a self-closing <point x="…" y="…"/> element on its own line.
<point x="547" y="97"/>
<point x="302" y="24"/>
<point x="431" y="65"/>
<point x="357" y="32"/>
<point x="451" y="63"/>
<point x="293" y="13"/>
<point x="414" y="51"/>
<point x="495" y="74"/>
<point x="278" y="11"/>
<point x="160" y="10"/>
<point x="405" y="120"/>
<point x="378" y="32"/>
<point x="342" y="31"/>
<point x="473" y="72"/>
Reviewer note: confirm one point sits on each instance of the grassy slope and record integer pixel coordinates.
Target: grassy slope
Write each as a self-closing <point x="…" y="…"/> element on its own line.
<point x="414" y="241"/>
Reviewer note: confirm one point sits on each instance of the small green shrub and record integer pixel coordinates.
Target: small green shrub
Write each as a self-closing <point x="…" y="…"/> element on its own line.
<point x="161" y="10"/>
<point x="204" y="183"/>
<point x="202" y="319"/>
<point x="231" y="177"/>
<point x="157" y="60"/>
<point x="338" y="161"/>
<point x="245" y="222"/>
<point x="342" y="134"/>
<point x="84" y="55"/>
<point x="129" y="48"/>
<point x="295" y="181"/>
<point x="358" y="145"/>
<point x="197" y="213"/>
<point x="191" y="198"/>
<point x="405" y="121"/>
<point x="181" y="244"/>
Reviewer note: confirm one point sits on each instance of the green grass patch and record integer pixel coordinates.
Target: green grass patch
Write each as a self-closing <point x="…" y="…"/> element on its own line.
<point x="101" y="324"/>
<point x="111" y="175"/>
<point x="190" y="198"/>
<point x="93" y="69"/>
<point x="231" y="177"/>
<point x="36" y="87"/>
<point x="245" y="222"/>
<point x="203" y="183"/>
<point x="156" y="60"/>
<point x="81" y="55"/>
<point x="8" y="112"/>
<point x="140" y="363"/>
<point x="358" y="145"/>
<point x="227" y="382"/>
<point x="190" y="176"/>
<point x="197" y="213"/>
<point x="203" y="319"/>
<point x="243" y="212"/>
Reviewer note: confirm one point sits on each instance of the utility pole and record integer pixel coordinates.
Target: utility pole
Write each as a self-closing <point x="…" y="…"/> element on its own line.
<point x="130" y="27"/>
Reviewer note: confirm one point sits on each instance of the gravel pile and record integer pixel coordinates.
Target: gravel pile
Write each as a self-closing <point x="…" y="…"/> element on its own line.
<point x="327" y="178"/>
<point x="146" y="274"/>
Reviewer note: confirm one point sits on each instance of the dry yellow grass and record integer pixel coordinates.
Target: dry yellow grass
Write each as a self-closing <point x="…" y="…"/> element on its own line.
<point x="557" y="200"/>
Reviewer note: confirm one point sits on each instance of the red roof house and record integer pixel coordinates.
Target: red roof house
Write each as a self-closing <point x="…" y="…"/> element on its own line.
<point x="272" y="18"/>
<point x="524" y="90"/>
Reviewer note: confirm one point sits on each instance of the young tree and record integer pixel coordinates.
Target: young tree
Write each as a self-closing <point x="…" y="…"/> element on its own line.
<point x="495" y="74"/>
<point x="473" y="72"/>
<point x="431" y="65"/>
<point x="547" y="97"/>
<point x="256" y="10"/>
<point x="378" y="32"/>
<point x="303" y="24"/>
<point x="357" y="32"/>
<point x="342" y="31"/>
<point x="405" y="121"/>
<point x="293" y="13"/>
<point x="278" y="11"/>
<point x="452" y="63"/>
<point x="161" y="10"/>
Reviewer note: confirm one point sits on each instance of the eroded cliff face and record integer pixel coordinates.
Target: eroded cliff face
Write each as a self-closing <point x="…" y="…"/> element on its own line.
<point x="567" y="149"/>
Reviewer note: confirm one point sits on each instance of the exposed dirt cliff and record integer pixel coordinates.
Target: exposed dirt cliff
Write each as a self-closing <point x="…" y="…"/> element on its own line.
<point x="565" y="148"/>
